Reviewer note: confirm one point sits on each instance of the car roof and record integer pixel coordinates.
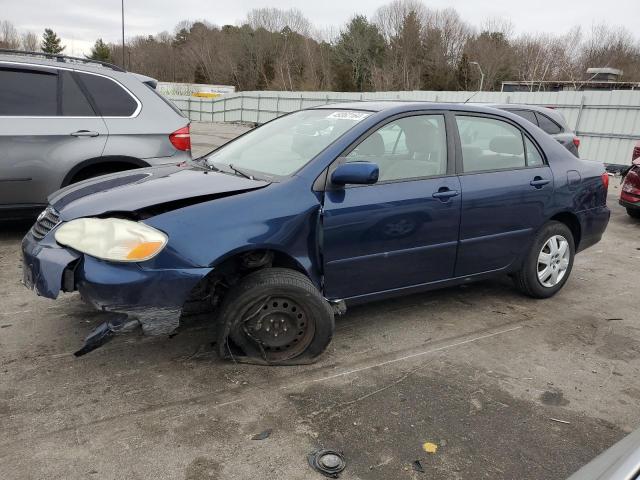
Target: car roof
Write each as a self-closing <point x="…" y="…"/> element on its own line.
<point x="405" y="106"/>
<point x="59" y="61"/>
<point x="550" y="112"/>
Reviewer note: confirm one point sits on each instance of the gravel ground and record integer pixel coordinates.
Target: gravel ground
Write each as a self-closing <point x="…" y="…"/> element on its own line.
<point x="481" y="371"/>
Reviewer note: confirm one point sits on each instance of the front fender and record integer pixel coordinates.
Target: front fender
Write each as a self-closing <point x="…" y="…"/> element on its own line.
<point x="282" y="217"/>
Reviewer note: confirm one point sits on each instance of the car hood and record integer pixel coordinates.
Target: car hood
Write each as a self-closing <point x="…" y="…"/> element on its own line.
<point x="138" y="189"/>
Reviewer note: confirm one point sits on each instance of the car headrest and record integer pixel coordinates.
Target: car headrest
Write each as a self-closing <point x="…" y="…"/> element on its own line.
<point x="420" y="137"/>
<point x="373" y="145"/>
<point x="506" y="144"/>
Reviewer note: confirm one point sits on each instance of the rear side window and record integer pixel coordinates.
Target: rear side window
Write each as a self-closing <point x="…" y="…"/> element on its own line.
<point x="74" y="102"/>
<point x="28" y="93"/>
<point x="108" y="96"/>
<point x="526" y="114"/>
<point x="547" y="124"/>
<point x="489" y="144"/>
<point x="534" y="159"/>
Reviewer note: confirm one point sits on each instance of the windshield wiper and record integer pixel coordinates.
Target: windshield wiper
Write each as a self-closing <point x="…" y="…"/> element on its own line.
<point x="240" y="172"/>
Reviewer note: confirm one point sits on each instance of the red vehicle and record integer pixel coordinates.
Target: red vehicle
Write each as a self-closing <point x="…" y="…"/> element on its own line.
<point x="630" y="195"/>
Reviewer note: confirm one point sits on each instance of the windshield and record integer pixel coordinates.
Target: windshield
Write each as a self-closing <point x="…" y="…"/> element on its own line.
<point x="283" y="146"/>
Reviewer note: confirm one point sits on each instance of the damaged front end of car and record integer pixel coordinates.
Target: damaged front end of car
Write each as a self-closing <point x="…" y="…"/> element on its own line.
<point x="140" y="298"/>
<point x="93" y="238"/>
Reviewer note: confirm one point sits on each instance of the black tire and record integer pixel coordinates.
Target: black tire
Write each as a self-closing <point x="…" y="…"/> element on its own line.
<point x="303" y="318"/>
<point x="633" y="213"/>
<point x="527" y="278"/>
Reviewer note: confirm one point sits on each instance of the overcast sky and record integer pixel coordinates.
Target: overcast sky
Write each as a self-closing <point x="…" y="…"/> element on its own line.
<point x="79" y="23"/>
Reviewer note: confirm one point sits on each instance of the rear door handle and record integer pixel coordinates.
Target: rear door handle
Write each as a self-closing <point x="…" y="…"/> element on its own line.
<point x="85" y="133"/>
<point x="539" y="182"/>
<point x="444" y="194"/>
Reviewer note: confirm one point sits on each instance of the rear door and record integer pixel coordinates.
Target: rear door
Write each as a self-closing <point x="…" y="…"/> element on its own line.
<point x="506" y="187"/>
<point x="47" y="126"/>
<point x="403" y="230"/>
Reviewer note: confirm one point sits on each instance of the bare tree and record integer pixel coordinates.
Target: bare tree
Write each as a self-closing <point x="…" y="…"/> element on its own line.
<point x="9" y="37"/>
<point x="30" y="41"/>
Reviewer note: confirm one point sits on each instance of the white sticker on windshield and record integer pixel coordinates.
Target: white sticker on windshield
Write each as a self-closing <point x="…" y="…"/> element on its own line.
<point x="348" y="115"/>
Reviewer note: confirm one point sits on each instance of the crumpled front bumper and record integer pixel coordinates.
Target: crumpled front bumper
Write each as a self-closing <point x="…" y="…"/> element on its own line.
<point x="154" y="297"/>
<point x="43" y="265"/>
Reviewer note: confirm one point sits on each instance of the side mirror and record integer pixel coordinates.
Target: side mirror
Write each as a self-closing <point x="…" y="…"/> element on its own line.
<point x="356" y="173"/>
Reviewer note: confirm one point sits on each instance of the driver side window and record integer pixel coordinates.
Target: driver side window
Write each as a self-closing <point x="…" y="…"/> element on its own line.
<point x="407" y="148"/>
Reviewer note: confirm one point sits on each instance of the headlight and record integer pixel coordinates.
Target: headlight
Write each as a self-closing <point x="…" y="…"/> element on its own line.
<point x="112" y="239"/>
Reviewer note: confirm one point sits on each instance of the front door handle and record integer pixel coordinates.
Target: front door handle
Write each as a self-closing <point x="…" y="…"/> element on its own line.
<point x="539" y="182"/>
<point x="445" y="193"/>
<point x="85" y="133"/>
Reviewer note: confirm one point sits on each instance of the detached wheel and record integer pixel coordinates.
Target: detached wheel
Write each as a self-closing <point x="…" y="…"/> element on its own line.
<point x="633" y="212"/>
<point x="275" y="316"/>
<point x="549" y="262"/>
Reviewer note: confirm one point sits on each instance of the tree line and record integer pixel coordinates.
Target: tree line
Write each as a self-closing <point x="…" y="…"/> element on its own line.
<point x="403" y="46"/>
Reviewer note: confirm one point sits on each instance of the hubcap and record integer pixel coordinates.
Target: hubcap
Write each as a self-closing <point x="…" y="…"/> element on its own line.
<point x="553" y="261"/>
<point x="281" y="329"/>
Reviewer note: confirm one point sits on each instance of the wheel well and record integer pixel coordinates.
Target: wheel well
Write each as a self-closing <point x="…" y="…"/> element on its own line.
<point x="101" y="165"/>
<point x="209" y="292"/>
<point x="571" y="221"/>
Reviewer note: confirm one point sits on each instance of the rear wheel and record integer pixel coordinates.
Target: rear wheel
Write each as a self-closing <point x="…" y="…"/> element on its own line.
<point x="275" y="316"/>
<point x="99" y="170"/>
<point x="633" y="212"/>
<point x="549" y="262"/>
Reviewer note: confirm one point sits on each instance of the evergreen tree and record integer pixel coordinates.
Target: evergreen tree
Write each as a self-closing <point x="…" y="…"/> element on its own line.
<point x="100" y="51"/>
<point x="359" y="48"/>
<point x="51" y="42"/>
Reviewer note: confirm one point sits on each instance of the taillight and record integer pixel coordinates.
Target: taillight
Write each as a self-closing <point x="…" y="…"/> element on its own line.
<point x="181" y="139"/>
<point x="605" y="180"/>
<point x="636" y="152"/>
<point x="576" y="142"/>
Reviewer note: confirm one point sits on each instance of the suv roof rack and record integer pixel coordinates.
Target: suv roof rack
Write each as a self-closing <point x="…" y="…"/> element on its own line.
<point x="60" y="58"/>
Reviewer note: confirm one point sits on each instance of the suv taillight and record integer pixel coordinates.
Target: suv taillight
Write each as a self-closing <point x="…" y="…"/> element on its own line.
<point x="181" y="139"/>
<point x="605" y="180"/>
<point x="576" y="142"/>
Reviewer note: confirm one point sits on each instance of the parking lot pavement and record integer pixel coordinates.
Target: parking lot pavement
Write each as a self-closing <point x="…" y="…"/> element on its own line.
<point x="207" y="136"/>
<point x="506" y="386"/>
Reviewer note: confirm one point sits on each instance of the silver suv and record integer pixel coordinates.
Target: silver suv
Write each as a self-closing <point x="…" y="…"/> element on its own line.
<point x="549" y="120"/>
<point x="66" y="119"/>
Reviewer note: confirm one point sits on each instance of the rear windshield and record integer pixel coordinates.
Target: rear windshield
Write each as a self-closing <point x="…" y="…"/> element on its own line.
<point x="285" y="145"/>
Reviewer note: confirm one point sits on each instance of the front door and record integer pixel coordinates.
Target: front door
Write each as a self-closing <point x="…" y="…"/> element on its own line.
<point x="507" y="187"/>
<point x="403" y="230"/>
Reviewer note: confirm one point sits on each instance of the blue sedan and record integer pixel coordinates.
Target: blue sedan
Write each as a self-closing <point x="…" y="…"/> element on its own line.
<point x="279" y="230"/>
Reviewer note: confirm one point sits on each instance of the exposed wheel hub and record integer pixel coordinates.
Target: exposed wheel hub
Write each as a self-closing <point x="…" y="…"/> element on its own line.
<point x="279" y="325"/>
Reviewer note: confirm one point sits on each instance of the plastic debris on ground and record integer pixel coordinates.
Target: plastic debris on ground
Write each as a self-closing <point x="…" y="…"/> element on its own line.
<point x="430" y="447"/>
<point x="262" y="435"/>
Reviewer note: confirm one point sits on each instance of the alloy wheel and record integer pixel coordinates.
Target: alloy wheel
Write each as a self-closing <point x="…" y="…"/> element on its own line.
<point x="553" y="261"/>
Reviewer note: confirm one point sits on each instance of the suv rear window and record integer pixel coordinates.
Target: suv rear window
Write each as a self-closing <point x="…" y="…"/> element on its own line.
<point x="30" y="93"/>
<point x="526" y="114"/>
<point x="108" y="96"/>
<point x="547" y="124"/>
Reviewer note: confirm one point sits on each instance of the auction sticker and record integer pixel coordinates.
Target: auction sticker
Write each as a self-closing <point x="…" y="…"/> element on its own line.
<point x="349" y="115"/>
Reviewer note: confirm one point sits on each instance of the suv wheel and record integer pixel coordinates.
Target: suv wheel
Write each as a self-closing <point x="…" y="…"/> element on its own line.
<point x="275" y="316"/>
<point x="633" y="212"/>
<point x="549" y="262"/>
